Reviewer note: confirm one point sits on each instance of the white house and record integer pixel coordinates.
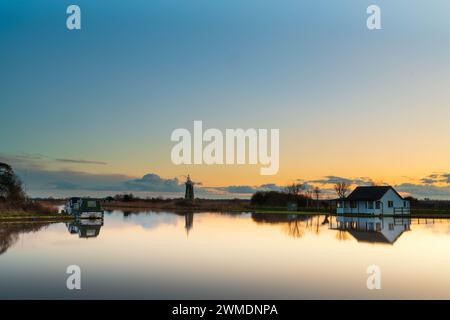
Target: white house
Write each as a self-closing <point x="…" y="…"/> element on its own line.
<point x="374" y="200"/>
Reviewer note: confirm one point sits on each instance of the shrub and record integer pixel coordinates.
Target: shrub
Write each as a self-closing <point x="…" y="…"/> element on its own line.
<point x="276" y="199"/>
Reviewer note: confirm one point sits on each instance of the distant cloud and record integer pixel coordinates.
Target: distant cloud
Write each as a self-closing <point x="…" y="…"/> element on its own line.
<point x="22" y="160"/>
<point x="246" y="189"/>
<point x="436" y="178"/>
<point x="425" y="191"/>
<point x="154" y="183"/>
<point x="36" y="176"/>
<point x="239" y="189"/>
<point x="75" y="180"/>
<point x="433" y="186"/>
<point x="336" y="179"/>
<point x="51" y="182"/>
<point x="64" y="185"/>
<point x="80" y="161"/>
<point x="427" y="181"/>
<point x="37" y="179"/>
<point x="270" y="187"/>
<point x="40" y="161"/>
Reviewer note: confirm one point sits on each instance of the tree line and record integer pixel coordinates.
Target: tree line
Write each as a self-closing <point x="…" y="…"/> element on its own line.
<point x="12" y="195"/>
<point x="298" y="193"/>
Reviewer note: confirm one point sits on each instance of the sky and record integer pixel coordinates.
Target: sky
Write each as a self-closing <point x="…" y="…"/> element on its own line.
<point x="92" y="110"/>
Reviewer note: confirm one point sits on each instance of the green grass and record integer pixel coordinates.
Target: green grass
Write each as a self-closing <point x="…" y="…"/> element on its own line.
<point x="21" y="216"/>
<point x="415" y="213"/>
<point x="310" y="213"/>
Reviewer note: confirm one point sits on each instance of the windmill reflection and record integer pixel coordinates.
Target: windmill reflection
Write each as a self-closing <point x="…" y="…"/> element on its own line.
<point x="85" y="228"/>
<point x="188" y="222"/>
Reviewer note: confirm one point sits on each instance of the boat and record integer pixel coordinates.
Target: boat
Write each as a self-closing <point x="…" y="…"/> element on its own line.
<point x="83" y="208"/>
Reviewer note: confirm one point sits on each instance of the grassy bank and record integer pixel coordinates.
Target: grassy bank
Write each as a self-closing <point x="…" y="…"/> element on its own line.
<point x="179" y="205"/>
<point x="32" y="211"/>
<point x="233" y="205"/>
<point x="29" y="216"/>
<point x="242" y="206"/>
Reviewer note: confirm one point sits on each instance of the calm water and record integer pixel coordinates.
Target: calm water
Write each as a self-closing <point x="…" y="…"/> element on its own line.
<point x="209" y="255"/>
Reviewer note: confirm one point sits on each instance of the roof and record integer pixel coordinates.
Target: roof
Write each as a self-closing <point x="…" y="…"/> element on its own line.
<point x="369" y="236"/>
<point x="370" y="193"/>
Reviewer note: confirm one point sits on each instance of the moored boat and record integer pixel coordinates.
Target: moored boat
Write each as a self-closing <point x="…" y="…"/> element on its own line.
<point x="84" y="208"/>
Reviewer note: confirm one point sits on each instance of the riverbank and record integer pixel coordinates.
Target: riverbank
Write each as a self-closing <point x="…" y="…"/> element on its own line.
<point x="244" y="206"/>
<point x="28" y="216"/>
<point x="236" y="205"/>
<point x="422" y="213"/>
<point x="232" y="205"/>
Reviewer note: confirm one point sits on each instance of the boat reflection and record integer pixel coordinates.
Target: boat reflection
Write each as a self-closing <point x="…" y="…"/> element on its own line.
<point x="85" y="228"/>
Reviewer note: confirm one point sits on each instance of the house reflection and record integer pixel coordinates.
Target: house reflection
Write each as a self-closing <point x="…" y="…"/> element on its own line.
<point x="372" y="230"/>
<point x="85" y="228"/>
<point x="375" y="230"/>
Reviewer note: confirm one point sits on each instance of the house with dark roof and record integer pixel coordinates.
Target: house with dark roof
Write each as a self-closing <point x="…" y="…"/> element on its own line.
<point x="376" y="200"/>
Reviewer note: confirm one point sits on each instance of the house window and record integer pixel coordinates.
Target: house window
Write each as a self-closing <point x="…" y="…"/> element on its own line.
<point x="405" y="204"/>
<point x="91" y="204"/>
<point x="390" y="204"/>
<point x="391" y="226"/>
<point x="377" y="205"/>
<point x="378" y="225"/>
<point x="353" y="204"/>
<point x="370" y="204"/>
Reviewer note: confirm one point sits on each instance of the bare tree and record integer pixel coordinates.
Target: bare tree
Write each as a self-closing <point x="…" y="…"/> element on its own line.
<point x="10" y="185"/>
<point x="342" y="188"/>
<point x="308" y="195"/>
<point x="294" y="189"/>
<point x="317" y="194"/>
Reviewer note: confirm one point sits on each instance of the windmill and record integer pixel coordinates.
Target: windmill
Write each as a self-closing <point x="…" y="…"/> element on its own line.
<point x="189" y="194"/>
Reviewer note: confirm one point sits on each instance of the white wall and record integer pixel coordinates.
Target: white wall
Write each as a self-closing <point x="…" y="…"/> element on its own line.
<point x="390" y="195"/>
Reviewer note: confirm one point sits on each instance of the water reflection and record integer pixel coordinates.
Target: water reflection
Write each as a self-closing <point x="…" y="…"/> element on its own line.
<point x="226" y="256"/>
<point x="85" y="228"/>
<point x="372" y="230"/>
<point x="188" y="222"/>
<point x="375" y="230"/>
<point x="386" y="230"/>
<point x="294" y="225"/>
<point x="10" y="232"/>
